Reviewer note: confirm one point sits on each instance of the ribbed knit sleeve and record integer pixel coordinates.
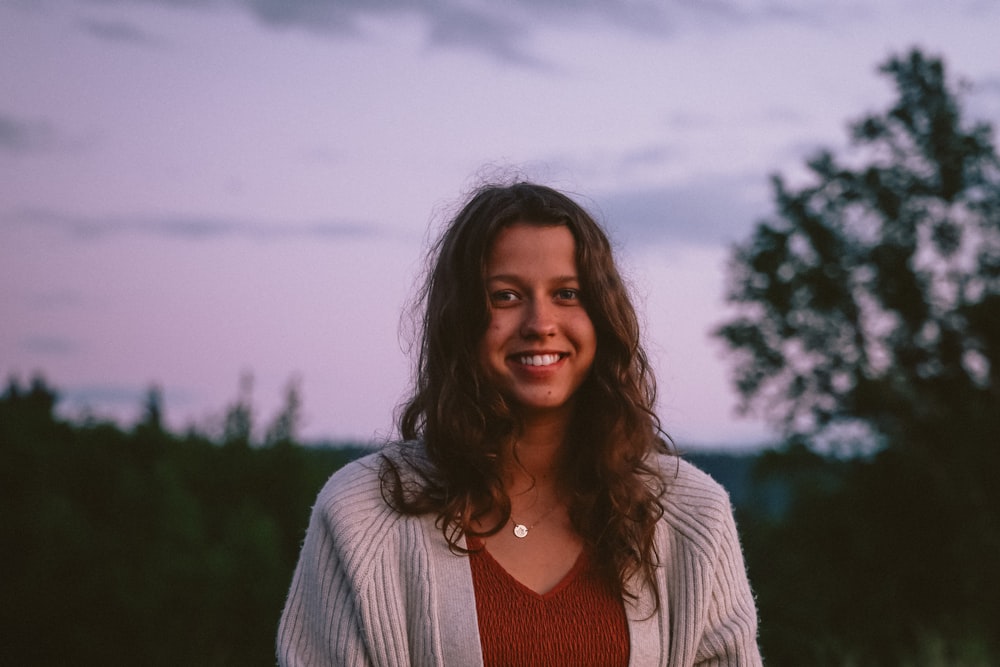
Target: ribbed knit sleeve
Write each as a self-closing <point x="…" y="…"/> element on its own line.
<point x="321" y="623"/>
<point x="714" y="617"/>
<point x="374" y="587"/>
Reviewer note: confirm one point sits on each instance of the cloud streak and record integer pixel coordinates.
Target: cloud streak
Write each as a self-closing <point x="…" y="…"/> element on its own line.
<point x="47" y="345"/>
<point x="120" y="32"/>
<point x="116" y="397"/>
<point x="709" y="212"/>
<point x="190" y="228"/>
<point x="501" y="30"/>
<point x="21" y="136"/>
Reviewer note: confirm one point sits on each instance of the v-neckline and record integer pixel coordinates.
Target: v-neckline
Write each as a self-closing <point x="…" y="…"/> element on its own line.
<point x="578" y="566"/>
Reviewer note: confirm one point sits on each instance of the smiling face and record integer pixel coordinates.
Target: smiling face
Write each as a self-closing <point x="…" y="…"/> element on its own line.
<point x="540" y="343"/>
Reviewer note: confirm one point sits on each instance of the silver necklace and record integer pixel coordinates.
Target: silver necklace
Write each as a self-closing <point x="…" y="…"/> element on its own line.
<point x="521" y="530"/>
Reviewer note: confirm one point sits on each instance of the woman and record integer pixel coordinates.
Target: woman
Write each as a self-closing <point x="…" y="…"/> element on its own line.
<point x="531" y="514"/>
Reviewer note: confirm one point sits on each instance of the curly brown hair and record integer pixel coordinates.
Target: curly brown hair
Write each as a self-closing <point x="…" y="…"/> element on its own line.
<point x="463" y="421"/>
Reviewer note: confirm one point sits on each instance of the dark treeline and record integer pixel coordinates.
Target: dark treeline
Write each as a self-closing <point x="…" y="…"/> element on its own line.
<point x="154" y="548"/>
<point x="867" y="560"/>
<point x="873" y="561"/>
<point x="145" y="547"/>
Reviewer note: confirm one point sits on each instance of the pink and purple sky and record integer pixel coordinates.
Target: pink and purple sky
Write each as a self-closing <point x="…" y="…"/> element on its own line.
<point x="195" y="189"/>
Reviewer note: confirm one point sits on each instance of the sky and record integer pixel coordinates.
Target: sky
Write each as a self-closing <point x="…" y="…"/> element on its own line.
<point x="196" y="191"/>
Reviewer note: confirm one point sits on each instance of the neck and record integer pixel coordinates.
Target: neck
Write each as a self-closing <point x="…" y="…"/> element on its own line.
<point x="533" y="458"/>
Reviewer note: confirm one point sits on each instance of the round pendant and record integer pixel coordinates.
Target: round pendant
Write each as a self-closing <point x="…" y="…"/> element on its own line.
<point x="520" y="530"/>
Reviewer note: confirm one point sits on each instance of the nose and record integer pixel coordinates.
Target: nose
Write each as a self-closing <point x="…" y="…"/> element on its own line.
<point x="540" y="319"/>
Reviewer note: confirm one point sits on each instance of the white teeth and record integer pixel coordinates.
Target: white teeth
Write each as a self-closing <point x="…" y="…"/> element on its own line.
<point x="539" y="359"/>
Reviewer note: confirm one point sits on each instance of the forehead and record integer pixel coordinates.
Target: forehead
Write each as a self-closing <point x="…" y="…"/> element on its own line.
<point x="529" y="248"/>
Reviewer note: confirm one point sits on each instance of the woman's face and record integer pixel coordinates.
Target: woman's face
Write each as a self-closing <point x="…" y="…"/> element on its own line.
<point x="540" y="343"/>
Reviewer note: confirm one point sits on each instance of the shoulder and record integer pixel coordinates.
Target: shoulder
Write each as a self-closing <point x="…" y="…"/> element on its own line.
<point x="352" y="519"/>
<point x="695" y="505"/>
<point x="354" y="494"/>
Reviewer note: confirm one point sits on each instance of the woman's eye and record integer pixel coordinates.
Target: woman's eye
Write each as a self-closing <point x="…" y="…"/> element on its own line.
<point x="568" y="294"/>
<point x="503" y="296"/>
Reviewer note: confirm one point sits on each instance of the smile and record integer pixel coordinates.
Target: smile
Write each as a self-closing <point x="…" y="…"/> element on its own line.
<point x="539" y="359"/>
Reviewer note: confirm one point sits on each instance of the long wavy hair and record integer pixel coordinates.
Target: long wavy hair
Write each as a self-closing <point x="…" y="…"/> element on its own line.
<point x="464" y="421"/>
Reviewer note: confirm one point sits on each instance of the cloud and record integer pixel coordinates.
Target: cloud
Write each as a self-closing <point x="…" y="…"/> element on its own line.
<point x="652" y="155"/>
<point x="500" y="29"/>
<point x="20" y="136"/>
<point x="116" y="401"/>
<point x="501" y="36"/>
<point x="123" y="404"/>
<point x="190" y="228"/>
<point x="119" y="32"/>
<point x="105" y="394"/>
<point x="706" y="212"/>
<point x="48" y="345"/>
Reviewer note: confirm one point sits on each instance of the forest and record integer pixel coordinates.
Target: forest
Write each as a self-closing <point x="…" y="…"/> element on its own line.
<point x="142" y="546"/>
<point x="866" y="326"/>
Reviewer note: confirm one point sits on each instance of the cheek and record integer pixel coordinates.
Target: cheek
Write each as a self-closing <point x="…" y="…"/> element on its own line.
<point x="490" y="336"/>
<point x="585" y="331"/>
<point x="499" y="326"/>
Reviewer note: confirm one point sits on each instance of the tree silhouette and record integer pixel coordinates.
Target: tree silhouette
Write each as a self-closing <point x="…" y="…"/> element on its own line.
<point x="870" y="304"/>
<point x="868" y="321"/>
<point x="285" y="426"/>
<point x="237" y="427"/>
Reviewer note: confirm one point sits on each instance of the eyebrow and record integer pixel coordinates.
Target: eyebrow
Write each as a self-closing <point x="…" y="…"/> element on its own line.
<point x="511" y="278"/>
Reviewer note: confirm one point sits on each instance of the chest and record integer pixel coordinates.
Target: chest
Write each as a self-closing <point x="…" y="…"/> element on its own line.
<point x="580" y="620"/>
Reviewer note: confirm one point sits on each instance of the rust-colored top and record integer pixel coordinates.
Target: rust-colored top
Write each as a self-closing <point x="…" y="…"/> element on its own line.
<point x="581" y="621"/>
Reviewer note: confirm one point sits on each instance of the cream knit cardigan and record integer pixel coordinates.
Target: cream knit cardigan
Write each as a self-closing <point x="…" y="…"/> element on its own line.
<point x="373" y="587"/>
